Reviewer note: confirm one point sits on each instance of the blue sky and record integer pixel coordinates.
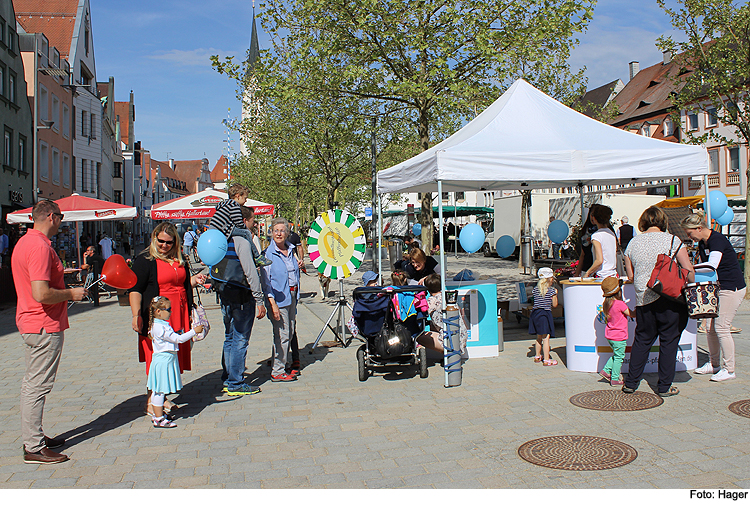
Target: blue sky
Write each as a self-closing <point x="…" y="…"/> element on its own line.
<point x="160" y="50"/>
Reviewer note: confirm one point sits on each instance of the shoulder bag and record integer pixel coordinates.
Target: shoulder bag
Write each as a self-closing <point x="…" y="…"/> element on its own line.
<point x="668" y="278"/>
<point x="198" y="315"/>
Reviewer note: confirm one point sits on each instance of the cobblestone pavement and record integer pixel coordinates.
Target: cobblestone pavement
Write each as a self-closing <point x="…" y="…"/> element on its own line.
<point x="329" y="430"/>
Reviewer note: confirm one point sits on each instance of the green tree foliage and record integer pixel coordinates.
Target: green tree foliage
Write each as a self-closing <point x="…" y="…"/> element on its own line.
<point x="307" y="148"/>
<point x="434" y="63"/>
<point x="714" y="59"/>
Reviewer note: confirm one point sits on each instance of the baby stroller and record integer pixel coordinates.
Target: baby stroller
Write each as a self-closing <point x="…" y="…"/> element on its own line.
<point x="390" y="319"/>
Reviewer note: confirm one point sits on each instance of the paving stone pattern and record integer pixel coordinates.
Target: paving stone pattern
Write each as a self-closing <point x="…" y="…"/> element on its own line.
<point x="328" y="430"/>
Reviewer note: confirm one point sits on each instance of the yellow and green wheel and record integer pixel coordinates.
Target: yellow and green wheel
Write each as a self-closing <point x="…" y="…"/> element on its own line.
<point x="336" y="244"/>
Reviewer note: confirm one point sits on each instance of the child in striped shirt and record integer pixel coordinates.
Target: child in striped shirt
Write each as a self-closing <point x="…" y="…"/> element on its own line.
<point x="228" y="220"/>
<point x="541" y="322"/>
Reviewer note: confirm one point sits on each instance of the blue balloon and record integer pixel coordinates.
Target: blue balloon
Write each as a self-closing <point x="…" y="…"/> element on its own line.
<point x="718" y="203"/>
<point x="505" y="246"/>
<point x="471" y="238"/>
<point x="705" y="275"/>
<point x="212" y="246"/>
<point x="416" y="229"/>
<point x="558" y="231"/>
<point x="726" y="218"/>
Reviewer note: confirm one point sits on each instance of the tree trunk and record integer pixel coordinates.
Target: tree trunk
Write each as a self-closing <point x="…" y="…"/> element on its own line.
<point x="425" y="216"/>
<point x="747" y="229"/>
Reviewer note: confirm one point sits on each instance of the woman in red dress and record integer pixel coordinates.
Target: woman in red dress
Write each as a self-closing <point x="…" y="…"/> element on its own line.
<point x="162" y="270"/>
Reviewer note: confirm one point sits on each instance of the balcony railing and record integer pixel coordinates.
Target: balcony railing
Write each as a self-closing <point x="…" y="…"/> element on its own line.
<point x="733" y="178"/>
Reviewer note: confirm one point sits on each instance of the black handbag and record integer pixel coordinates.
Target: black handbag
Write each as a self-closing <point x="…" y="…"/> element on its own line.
<point x="393" y="339"/>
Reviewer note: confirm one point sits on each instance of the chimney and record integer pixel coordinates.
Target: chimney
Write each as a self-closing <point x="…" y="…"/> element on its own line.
<point x="634" y="67"/>
<point x="171" y="163"/>
<point x="666" y="57"/>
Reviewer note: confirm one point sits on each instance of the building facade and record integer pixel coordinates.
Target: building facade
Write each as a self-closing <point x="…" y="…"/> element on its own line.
<point x="51" y="100"/>
<point x="16" y="189"/>
<point x="69" y="30"/>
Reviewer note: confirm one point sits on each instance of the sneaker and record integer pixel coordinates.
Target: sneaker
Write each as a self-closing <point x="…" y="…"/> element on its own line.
<point x="722" y="375"/>
<point x="618" y="382"/>
<point x="606" y="376"/>
<point x="294" y="373"/>
<point x="285" y="377"/>
<point x="45" y="455"/>
<point x="706" y="369"/>
<point x="243" y="389"/>
<point x="262" y="261"/>
<point x="53" y="443"/>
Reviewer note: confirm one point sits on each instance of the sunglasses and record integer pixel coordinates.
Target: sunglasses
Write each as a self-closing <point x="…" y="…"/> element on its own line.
<point x="61" y="216"/>
<point x="166" y="310"/>
<point x="164" y="242"/>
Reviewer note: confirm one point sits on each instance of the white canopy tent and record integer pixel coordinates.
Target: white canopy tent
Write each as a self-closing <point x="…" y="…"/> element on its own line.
<point x="526" y="140"/>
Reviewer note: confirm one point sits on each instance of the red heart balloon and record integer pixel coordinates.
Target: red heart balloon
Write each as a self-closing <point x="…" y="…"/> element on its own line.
<point x="116" y="273"/>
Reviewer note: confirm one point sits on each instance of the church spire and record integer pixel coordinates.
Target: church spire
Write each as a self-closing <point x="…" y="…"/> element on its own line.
<point x="254" y="53"/>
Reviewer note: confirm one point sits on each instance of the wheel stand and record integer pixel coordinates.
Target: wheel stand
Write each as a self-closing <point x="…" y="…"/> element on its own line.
<point x="339" y="331"/>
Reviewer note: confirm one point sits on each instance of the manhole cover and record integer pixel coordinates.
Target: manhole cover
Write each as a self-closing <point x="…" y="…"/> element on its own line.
<point x="741" y="407"/>
<point x="616" y="400"/>
<point x="577" y="453"/>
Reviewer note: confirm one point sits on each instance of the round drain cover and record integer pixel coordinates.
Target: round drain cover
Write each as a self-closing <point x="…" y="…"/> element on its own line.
<point x="577" y="452"/>
<point x="741" y="407"/>
<point x="616" y="400"/>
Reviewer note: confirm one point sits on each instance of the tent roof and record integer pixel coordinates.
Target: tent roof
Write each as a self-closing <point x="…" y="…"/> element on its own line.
<point x="200" y="205"/>
<point x="81" y="208"/>
<point x="527" y="140"/>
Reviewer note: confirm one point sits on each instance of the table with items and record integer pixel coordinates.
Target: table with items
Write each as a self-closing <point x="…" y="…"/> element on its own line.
<point x="587" y="350"/>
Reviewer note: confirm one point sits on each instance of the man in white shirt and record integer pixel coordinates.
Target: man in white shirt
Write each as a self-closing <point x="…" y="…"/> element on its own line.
<point x="106" y="245"/>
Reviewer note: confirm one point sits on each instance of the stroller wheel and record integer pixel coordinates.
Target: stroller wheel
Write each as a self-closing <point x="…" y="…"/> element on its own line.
<point x="423" y="373"/>
<point x="361" y="363"/>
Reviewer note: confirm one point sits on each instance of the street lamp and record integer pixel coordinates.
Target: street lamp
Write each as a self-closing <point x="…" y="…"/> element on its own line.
<point x="138" y="187"/>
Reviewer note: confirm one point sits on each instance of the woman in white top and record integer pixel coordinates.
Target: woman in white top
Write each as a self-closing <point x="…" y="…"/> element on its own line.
<point x="604" y="243"/>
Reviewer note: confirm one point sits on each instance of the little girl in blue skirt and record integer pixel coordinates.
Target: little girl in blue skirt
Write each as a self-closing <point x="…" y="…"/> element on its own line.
<point x="540" y="322"/>
<point x="164" y="375"/>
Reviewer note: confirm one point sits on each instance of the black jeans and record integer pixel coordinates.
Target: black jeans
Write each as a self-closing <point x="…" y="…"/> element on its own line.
<point x="666" y="320"/>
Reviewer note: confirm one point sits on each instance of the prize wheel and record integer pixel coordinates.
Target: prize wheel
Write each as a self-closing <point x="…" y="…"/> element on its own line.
<point x="336" y="244"/>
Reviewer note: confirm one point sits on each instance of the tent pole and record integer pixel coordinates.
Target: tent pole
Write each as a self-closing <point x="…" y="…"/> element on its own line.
<point x="442" y="263"/>
<point x="580" y="192"/>
<point x="78" y="242"/>
<point x="706" y="201"/>
<point x="455" y="218"/>
<point x="380" y="240"/>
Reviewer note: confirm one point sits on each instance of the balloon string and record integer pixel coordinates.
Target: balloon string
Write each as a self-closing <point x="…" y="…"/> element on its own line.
<point x="101" y="279"/>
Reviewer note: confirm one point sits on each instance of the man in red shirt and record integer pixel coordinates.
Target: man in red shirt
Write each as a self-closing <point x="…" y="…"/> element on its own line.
<point x="41" y="317"/>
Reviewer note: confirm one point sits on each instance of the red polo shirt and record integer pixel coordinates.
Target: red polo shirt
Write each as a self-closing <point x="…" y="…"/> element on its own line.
<point x="34" y="259"/>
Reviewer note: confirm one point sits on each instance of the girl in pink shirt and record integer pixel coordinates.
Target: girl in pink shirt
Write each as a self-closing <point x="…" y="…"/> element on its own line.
<point x="616" y="314"/>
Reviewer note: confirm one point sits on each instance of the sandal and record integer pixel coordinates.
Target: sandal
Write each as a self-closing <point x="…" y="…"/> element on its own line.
<point x="550" y="362"/>
<point x="537" y="358"/>
<point x="670" y="393"/>
<point x="163" y="423"/>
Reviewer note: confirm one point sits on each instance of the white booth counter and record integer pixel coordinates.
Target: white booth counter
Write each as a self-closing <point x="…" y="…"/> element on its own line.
<point x="587" y="350"/>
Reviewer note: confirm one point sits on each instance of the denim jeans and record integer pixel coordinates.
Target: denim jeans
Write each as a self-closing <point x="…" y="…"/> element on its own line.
<point x="238" y="323"/>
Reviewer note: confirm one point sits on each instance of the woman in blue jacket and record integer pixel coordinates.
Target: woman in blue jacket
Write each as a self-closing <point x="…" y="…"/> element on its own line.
<point x="281" y="285"/>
